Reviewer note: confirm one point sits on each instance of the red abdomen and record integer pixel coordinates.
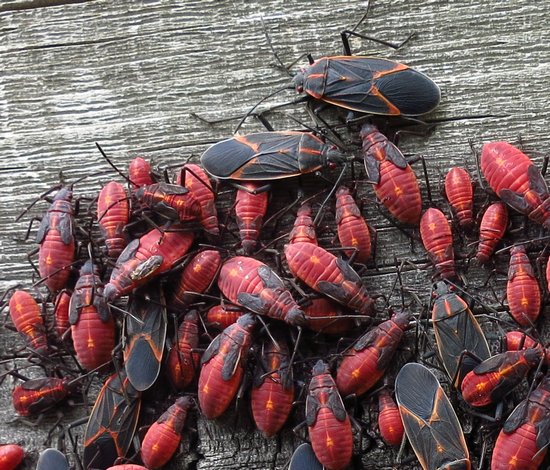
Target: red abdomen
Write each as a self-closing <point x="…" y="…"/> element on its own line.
<point x="11" y="455"/>
<point x="55" y="259"/>
<point x="250" y="210"/>
<point x="522" y="290"/>
<point x="505" y="167"/>
<point x="182" y="362"/>
<point x="491" y="230"/>
<point x="437" y="239"/>
<point x="113" y="214"/>
<point x="26" y="317"/>
<point x="93" y="339"/>
<point x="516" y="451"/>
<point x="389" y="420"/>
<point x="352" y="227"/>
<point x="460" y="194"/>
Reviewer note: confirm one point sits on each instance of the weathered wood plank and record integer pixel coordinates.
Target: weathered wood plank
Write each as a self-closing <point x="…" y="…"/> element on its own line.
<point x="129" y="74"/>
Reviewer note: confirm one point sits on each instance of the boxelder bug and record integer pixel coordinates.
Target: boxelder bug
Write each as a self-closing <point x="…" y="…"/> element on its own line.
<point x="11" y="455"/>
<point x="52" y="459"/>
<point x="513" y="177"/>
<point x="57" y="242"/>
<point x="113" y="214"/>
<point x="430" y="421"/>
<point x="437" y="239"/>
<point x="220" y="316"/>
<point x="164" y="436"/>
<point x="522" y="290"/>
<point x="250" y="210"/>
<point x="328" y="275"/>
<point x="333" y="319"/>
<point x="369" y="357"/>
<point x="269" y="156"/>
<point x="182" y="361"/>
<point x="516" y="340"/>
<point x="491" y="230"/>
<point x="353" y="230"/>
<point x="328" y="422"/>
<point x="389" y="419"/>
<point x="304" y="458"/>
<point x="92" y="325"/>
<point x="145" y="336"/>
<point x="456" y="331"/>
<point x="35" y="396"/>
<point x="128" y="466"/>
<point x="394" y="181"/>
<point x="496" y="377"/>
<point x="171" y="201"/>
<point x="255" y="286"/>
<point x="139" y="173"/>
<point x="273" y="389"/>
<point x="523" y="442"/>
<point x="222" y="366"/>
<point x="61" y="312"/>
<point x="369" y="85"/>
<point x="26" y="317"/>
<point x="460" y="194"/>
<point x="303" y="229"/>
<point x="112" y="422"/>
<point x="154" y="253"/>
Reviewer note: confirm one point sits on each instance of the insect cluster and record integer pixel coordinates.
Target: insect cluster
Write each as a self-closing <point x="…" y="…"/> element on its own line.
<point x="186" y="300"/>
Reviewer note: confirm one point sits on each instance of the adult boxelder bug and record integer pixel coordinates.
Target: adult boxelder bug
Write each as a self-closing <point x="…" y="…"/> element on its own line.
<point x="61" y="312"/>
<point x="250" y="210"/>
<point x="35" y="396"/>
<point x="154" y="253"/>
<point x="456" y="331"/>
<point x="196" y="277"/>
<point x="269" y="156"/>
<point x="389" y="419"/>
<point x="26" y="317"/>
<point x="369" y="85"/>
<point x="496" y="377"/>
<point x="522" y="289"/>
<point x="145" y="336"/>
<point x="92" y="325"/>
<point x="491" y="230"/>
<point x="182" y="361"/>
<point x="437" y="239"/>
<point x="303" y="229"/>
<point x="11" y="455"/>
<point x="328" y="423"/>
<point x="273" y="389"/>
<point x="196" y="180"/>
<point x="393" y="179"/>
<point x="52" y="459"/>
<point x="255" y="286"/>
<point x="112" y="422"/>
<point x="513" y="177"/>
<point x="303" y="458"/>
<point x="57" y="242"/>
<point x="113" y="214"/>
<point x="222" y="366"/>
<point x="171" y="201"/>
<point x="164" y="436"/>
<point x="139" y="173"/>
<point x="430" y="421"/>
<point x="353" y="230"/>
<point x="460" y="194"/>
<point x="328" y="275"/>
<point x="523" y="442"/>
<point x="369" y="357"/>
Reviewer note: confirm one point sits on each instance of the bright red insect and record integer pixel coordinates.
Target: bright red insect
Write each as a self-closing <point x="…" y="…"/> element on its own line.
<point x="11" y="455"/>
<point x="395" y="182"/>
<point x="113" y="214"/>
<point x="92" y="326"/>
<point x="523" y="442"/>
<point x="127" y="466"/>
<point x="491" y="230"/>
<point x="38" y="395"/>
<point x="497" y="376"/>
<point x="437" y="239"/>
<point x="220" y="316"/>
<point x="328" y="275"/>
<point x="273" y="389"/>
<point x="522" y="291"/>
<point x="164" y="436"/>
<point x="223" y="366"/>
<point x="389" y="419"/>
<point x="25" y="314"/>
<point x="61" y="312"/>
<point x="171" y="201"/>
<point x="139" y="173"/>
<point x="516" y="340"/>
<point x="303" y="229"/>
<point x="513" y="177"/>
<point x="334" y="321"/>
<point x="328" y="423"/>
<point x="57" y="243"/>
<point x="196" y="180"/>
<point x="353" y="230"/>
<point x="460" y="194"/>
<point x="182" y="361"/>
<point x="197" y="277"/>
<point x="367" y="360"/>
<point x="254" y="285"/>
<point x="154" y="253"/>
<point x="250" y="210"/>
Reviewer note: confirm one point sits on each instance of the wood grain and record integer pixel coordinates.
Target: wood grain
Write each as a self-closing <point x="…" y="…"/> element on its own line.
<point x="129" y="74"/>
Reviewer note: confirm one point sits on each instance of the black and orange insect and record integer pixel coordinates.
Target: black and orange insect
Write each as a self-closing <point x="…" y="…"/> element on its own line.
<point x="430" y="421"/>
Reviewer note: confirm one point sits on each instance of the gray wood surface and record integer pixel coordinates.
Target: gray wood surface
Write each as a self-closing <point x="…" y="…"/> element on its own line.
<point x="129" y="74"/>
